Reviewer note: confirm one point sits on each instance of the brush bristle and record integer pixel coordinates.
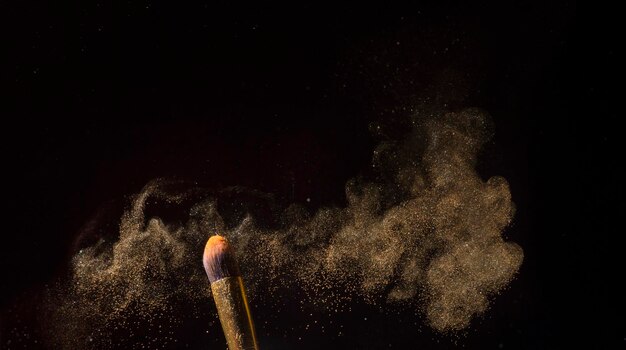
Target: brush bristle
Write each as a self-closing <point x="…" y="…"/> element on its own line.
<point x="219" y="259"/>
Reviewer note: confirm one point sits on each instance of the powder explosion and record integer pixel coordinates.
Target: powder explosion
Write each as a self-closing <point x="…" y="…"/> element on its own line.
<point x="426" y="234"/>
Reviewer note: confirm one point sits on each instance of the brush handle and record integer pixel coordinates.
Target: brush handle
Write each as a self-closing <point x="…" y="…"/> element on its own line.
<point x="234" y="312"/>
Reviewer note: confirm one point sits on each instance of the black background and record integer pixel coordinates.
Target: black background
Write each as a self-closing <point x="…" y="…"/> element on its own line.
<point x="102" y="98"/>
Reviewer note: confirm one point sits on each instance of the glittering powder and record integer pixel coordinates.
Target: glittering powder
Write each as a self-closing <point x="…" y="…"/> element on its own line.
<point x="428" y="236"/>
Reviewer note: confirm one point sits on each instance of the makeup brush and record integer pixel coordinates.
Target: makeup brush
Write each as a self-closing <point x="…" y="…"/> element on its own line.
<point x="229" y="294"/>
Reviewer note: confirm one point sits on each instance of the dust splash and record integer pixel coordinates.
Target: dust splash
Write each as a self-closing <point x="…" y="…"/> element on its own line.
<point x="426" y="232"/>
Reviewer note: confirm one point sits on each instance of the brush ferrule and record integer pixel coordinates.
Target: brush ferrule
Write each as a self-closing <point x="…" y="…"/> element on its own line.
<point x="234" y="312"/>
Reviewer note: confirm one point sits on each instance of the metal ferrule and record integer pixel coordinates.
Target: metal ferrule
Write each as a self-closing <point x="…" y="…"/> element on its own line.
<point x="234" y="312"/>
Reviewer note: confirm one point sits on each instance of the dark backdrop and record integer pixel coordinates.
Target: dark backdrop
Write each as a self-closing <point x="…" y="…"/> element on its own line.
<point x="101" y="98"/>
